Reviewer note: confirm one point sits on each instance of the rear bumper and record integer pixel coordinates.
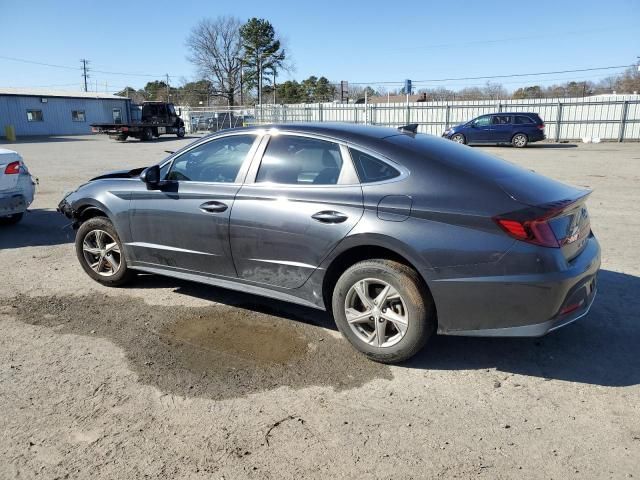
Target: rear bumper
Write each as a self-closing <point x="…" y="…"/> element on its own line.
<point x="519" y="305"/>
<point x="12" y="203"/>
<point x="536" y="330"/>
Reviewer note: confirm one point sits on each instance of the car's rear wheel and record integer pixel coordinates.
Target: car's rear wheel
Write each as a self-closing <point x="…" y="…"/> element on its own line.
<point x="519" y="140"/>
<point x="384" y="310"/>
<point x="100" y="252"/>
<point x="459" y="138"/>
<point x="11" y="219"/>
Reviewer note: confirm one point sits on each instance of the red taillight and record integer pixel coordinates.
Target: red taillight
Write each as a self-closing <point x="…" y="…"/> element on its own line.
<point x="541" y="126"/>
<point x="535" y="231"/>
<point x="12" y="169"/>
<point x="571" y="308"/>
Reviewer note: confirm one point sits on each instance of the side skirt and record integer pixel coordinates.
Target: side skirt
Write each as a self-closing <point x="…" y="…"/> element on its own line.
<point x="230" y="284"/>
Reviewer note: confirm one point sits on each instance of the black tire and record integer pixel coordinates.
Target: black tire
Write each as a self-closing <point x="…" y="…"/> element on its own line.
<point x="181" y="132"/>
<point x="123" y="274"/>
<point x="121" y="138"/>
<point x="519" y="140"/>
<point x="459" y="138"/>
<point x="419" y="308"/>
<point x="11" y="219"/>
<point x="146" y="135"/>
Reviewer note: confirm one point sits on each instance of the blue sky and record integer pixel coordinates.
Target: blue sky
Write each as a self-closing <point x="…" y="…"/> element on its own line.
<point x="367" y="41"/>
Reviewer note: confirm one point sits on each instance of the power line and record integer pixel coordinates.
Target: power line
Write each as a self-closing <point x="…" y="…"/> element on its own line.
<point x="489" y="77"/>
<point x="67" y="67"/>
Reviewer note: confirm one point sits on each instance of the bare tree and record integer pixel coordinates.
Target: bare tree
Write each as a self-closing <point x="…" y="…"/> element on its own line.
<point x="215" y="49"/>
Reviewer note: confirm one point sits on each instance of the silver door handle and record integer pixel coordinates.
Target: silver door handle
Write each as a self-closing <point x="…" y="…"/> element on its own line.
<point x="329" y="216"/>
<point x="213" y="207"/>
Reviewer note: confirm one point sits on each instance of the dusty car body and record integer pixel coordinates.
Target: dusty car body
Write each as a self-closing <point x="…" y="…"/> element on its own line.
<point x="444" y="237"/>
<point x="17" y="186"/>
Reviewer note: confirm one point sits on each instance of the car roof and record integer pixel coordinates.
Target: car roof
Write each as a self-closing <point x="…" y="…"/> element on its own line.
<point x="343" y="131"/>
<point x="514" y="113"/>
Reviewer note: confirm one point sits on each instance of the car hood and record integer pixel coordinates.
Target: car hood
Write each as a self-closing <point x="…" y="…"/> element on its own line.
<point x="120" y="174"/>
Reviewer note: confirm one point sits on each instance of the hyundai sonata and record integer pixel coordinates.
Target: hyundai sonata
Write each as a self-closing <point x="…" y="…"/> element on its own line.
<point x="399" y="235"/>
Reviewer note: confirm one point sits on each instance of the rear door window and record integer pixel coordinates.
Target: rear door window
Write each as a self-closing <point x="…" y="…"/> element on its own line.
<point x="370" y="169"/>
<point x="501" y="119"/>
<point x="295" y="160"/>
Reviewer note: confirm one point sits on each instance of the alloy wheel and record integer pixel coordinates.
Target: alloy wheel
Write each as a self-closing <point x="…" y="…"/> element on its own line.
<point x="519" y="140"/>
<point x="376" y="312"/>
<point x="101" y="252"/>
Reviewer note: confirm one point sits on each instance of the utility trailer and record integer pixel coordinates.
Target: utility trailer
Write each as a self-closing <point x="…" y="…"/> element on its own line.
<point x="149" y="120"/>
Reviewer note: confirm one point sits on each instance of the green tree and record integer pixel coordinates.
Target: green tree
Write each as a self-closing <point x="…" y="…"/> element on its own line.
<point x="528" y="92"/>
<point x="325" y="91"/>
<point x="290" y="92"/>
<point x="157" y="91"/>
<point x="262" y="51"/>
<point x="196" y="93"/>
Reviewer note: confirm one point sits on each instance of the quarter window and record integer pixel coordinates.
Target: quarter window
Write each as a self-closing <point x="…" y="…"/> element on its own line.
<point x="78" y="116"/>
<point x="215" y="161"/>
<point x="521" y="119"/>
<point x="371" y="169"/>
<point x="295" y="160"/>
<point x="35" y="116"/>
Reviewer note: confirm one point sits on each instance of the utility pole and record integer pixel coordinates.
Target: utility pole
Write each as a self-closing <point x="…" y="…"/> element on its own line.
<point x="260" y="80"/>
<point x="274" y="86"/>
<point x="167" y="75"/>
<point x="85" y="72"/>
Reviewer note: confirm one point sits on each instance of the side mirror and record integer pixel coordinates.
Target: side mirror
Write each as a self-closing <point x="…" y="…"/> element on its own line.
<point x="179" y="112"/>
<point x="151" y="176"/>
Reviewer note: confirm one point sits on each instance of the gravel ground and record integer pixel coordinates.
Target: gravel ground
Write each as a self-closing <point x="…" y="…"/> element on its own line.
<point x="167" y="379"/>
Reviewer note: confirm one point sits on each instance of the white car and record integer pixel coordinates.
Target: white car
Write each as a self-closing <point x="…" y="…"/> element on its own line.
<point x="17" y="187"/>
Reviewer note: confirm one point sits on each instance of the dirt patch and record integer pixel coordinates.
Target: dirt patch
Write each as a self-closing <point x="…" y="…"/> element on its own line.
<point x="214" y="352"/>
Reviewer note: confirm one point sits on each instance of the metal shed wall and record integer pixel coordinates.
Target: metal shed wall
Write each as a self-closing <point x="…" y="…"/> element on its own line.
<point x="56" y="114"/>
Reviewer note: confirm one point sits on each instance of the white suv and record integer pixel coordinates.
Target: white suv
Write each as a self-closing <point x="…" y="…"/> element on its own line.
<point x="17" y="187"/>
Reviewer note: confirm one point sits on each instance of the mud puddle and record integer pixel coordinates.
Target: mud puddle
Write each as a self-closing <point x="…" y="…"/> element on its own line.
<point x="214" y="352"/>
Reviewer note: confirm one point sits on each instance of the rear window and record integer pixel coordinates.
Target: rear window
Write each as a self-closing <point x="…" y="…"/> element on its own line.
<point x="371" y="169"/>
<point x="471" y="160"/>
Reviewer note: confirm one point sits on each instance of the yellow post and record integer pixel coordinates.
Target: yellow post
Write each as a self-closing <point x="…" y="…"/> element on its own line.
<point x="10" y="133"/>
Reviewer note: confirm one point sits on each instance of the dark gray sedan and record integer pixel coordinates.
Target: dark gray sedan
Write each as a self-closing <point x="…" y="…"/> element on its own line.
<point x="399" y="235"/>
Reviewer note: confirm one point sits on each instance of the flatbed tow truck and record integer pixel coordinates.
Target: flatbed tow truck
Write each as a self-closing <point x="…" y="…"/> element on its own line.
<point x="150" y="120"/>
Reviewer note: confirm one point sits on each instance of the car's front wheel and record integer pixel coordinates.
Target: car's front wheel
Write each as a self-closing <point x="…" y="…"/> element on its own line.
<point x="181" y="132"/>
<point x="100" y="252"/>
<point x="459" y="138"/>
<point x="384" y="310"/>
